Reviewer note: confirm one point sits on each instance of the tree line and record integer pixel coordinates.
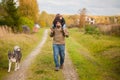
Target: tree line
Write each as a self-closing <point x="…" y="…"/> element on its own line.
<point x="15" y="13"/>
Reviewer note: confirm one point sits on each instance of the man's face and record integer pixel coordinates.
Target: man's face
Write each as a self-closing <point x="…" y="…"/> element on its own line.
<point x="58" y="24"/>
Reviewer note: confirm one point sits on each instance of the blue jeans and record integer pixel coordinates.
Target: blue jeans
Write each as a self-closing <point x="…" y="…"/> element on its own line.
<point x="59" y="49"/>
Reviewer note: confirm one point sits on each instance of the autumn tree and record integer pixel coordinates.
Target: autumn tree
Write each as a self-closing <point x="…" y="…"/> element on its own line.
<point x="29" y="9"/>
<point x="45" y="19"/>
<point x="42" y="19"/>
<point x="82" y="17"/>
<point x="74" y="19"/>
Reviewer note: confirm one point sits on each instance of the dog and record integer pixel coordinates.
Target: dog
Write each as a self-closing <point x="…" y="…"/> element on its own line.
<point x="14" y="57"/>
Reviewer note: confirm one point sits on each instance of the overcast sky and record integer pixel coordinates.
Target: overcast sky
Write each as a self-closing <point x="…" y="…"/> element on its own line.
<point x="94" y="7"/>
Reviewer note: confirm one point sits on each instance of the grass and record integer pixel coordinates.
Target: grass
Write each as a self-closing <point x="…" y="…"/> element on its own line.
<point x="104" y="49"/>
<point x="94" y="57"/>
<point x="95" y="44"/>
<point x="9" y="40"/>
<point x="43" y="66"/>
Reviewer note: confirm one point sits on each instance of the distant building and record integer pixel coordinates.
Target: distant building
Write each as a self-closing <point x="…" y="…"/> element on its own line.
<point x="25" y="29"/>
<point x="90" y="20"/>
<point x="36" y="27"/>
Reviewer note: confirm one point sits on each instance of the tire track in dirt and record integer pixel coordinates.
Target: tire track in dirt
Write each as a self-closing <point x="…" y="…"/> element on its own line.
<point x="21" y="73"/>
<point x="86" y="53"/>
<point x="69" y="70"/>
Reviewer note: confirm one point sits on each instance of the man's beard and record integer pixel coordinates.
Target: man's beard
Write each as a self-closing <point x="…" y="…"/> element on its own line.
<point x="58" y="26"/>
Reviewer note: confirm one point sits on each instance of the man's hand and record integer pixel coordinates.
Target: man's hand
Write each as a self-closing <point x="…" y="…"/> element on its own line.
<point x="66" y="32"/>
<point x="51" y="32"/>
<point x="67" y="36"/>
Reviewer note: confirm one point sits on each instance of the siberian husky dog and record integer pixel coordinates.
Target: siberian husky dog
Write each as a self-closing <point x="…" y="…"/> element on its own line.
<point x="14" y="57"/>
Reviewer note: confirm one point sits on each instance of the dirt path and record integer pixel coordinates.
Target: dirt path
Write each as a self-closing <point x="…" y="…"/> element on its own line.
<point x="68" y="70"/>
<point x="21" y="74"/>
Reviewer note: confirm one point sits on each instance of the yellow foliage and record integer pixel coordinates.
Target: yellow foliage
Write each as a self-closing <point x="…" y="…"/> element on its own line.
<point x="42" y="24"/>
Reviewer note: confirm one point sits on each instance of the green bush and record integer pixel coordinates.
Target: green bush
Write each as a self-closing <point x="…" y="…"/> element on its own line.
<point x="27" y="21"/>
<point x="91" y="30"/>
<point x="2" y="22"/>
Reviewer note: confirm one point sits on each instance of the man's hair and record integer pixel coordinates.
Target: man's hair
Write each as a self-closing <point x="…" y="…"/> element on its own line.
<point x="58" y="21"/>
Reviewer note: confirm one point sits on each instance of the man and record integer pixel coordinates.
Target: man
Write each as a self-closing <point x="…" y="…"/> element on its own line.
<point x="59" y="44"/>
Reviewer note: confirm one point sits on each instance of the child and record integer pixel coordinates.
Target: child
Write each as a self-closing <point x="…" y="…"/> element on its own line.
<point x="61" y="20"/>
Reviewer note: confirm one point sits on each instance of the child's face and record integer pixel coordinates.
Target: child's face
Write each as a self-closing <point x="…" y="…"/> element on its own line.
<point x="61" y="17"/>
<point x="58" y="24"/>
